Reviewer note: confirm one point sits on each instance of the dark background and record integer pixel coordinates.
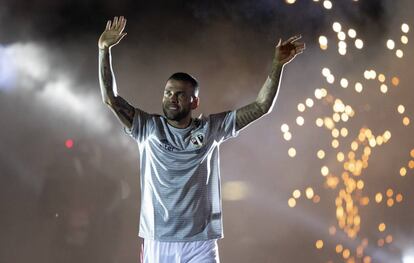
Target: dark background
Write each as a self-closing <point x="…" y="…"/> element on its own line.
<point x="81" y="204"/>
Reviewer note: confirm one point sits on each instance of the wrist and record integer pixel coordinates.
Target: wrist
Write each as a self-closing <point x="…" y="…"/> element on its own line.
<point x="276" y="70"/>
<point x="276" y="64"/>
<point x="103" y="48"/>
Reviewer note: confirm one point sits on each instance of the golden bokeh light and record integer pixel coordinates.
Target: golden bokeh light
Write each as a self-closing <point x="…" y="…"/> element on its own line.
<point x="296" y="194"/>
<point x="300" y="120"/>
<point x="284" y="128"/>
<point x="352" y="33"/>
<point x="341" y="35"/>
<point x="358" y="87"/>
<point x="346" y="253"/>
<point x="309" y="193"/>
<point x="309" y="102"/>
<point x="400" y="109"/>
<point x="405" y="28"/>
<point x="316" y="199"/>
<point x="388" y="239"/>
<point x="327" y="4"/>
<point x="359" y="44"/>
<point x="344" y="132"/>
<point x="403" y="171"/>
<point x="384" y="88"/>
<point x="378" y="197"/>
<point x="336" y="26"/>
<point x="382" y="227"/>
<point x="323" y="42"/>
<point x="321" y="154"/>
<point x="319" y="244"/>
<point x="292" y="202"/>
<point x="404" y="40"/>
<point x="339" y="248"/>
<point x="319" y="122"/>
<point x="395" y="81"/>
<point x="340" y="157"/>
<point x="324" y="170"/>
<point x="406" y="121"/>
<point x="301" y="107"/>
<point x="390" y="44"/>
<point x="399" y="198"/>
<point x="381" y="77"/>
<point x="287" y="136"/>
<point x="292" y="152"/>
<point x="344" y="83"/>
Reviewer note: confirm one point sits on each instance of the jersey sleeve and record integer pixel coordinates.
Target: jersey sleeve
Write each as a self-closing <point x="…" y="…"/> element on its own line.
<point x="223" y="125"/>
<point x="141" y="126"/>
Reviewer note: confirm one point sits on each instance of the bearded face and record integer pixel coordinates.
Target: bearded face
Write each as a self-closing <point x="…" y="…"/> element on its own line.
<point x="178" y="100"/>
<point x="175" y="111"/>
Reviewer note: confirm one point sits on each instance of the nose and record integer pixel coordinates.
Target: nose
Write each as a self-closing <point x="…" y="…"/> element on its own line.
<point x="173" y="98"/>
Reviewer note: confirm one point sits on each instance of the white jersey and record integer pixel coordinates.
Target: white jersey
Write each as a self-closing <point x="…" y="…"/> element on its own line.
<point x="180" y="176"/>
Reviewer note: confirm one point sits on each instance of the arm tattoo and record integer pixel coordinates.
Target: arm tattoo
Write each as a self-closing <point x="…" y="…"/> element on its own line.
<point x="247" y="114"/>
<point x="122" y="109"/>
<point x="264" y="101"/>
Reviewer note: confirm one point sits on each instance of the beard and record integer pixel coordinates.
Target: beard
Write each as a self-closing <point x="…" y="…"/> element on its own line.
<point x="175" y="115"/>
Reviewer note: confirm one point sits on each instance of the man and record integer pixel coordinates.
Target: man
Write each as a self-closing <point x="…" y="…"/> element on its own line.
<point x="180" y="217"/>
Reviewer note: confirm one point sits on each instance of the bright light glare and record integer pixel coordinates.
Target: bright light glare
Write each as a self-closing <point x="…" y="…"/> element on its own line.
<point x="7" y="70"/>
<point x="359" y="44"/>
<point x="405" y="28"/>
<point x="336" y="26"/>
<point x="327" y="4"/>
<point x="390" y="44"/>
<point x="352" y="33"/>
<point x="408" y="258"/>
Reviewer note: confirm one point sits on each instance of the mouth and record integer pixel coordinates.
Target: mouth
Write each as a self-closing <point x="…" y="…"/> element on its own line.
<point x="173" y="107"/>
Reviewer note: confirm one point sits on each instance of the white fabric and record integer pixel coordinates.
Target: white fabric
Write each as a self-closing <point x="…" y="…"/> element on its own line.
<point x="180" y="176"/>
<point x="181" y="252"/>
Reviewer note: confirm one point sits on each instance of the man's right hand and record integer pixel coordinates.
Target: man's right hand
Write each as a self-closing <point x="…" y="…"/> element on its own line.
<point x="113" y="33"/>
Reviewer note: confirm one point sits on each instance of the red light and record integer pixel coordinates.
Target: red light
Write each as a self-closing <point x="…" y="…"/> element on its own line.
<point x="69" y="143"/>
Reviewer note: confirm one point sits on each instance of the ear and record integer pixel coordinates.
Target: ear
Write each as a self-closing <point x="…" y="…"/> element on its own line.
<point x="195" y="103"/>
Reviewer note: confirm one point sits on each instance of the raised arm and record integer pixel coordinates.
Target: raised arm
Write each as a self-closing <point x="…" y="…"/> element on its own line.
<point x="284" y="53"/>
<point x="110" y="37"/>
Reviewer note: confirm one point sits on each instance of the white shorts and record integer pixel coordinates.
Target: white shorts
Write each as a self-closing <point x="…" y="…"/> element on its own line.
<point x="180" y="252"/>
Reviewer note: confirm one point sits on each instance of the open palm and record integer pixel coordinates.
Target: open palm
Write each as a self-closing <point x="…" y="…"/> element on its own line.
<point x="113" y="33"/>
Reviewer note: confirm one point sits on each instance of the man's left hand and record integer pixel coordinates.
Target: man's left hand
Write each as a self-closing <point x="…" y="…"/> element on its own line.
<point x="287" y="50"/>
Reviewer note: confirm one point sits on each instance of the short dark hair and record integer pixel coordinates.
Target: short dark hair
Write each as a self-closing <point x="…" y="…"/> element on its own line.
<point x="182" y="76"/>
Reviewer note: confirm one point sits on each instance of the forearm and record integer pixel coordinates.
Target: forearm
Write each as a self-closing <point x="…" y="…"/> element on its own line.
<point x="106" y="76"/>
<point x="268" y="93"/>
<point x="122" y="109"/>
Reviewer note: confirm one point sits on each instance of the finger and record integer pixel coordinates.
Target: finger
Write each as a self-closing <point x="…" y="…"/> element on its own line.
<point x="123" y="24"/>
<point x="108" y="25"/>
<point x="299" y="50"/>
<point x="115" y="23"/>
<point x="292" y="39"/>
<point x="279" y="42"/>
<point x="299" y="45"/>
<point x="118" y="25"/>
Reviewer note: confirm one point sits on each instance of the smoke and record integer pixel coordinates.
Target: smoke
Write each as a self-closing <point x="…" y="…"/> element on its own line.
<point x="49" y="92"/>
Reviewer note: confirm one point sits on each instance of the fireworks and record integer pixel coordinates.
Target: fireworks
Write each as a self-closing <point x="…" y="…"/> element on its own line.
<point x="345" y="176"/>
